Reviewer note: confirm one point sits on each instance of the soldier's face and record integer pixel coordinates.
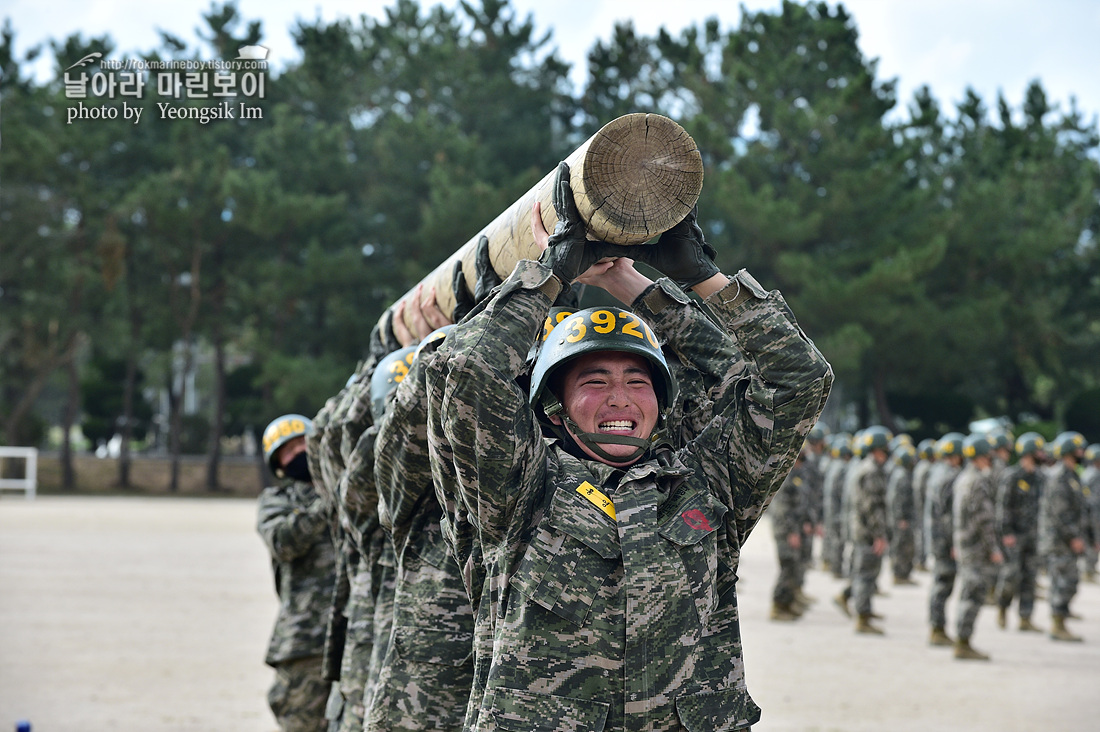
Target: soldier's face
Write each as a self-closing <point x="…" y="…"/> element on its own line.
<point x="290" y="450"/>
<point x="612" y="393"/>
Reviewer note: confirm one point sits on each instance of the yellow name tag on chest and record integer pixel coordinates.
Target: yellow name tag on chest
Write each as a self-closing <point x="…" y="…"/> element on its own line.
<point x="598" y="499"/>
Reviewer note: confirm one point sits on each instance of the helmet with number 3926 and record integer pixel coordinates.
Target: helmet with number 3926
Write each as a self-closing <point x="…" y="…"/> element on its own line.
<point x="600" y="329"/>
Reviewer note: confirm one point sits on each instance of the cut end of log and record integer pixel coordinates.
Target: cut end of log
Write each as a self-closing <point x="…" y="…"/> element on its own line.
<point x="642" y="174"/>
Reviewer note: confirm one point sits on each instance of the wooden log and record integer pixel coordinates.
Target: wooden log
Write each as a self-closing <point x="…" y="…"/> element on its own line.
<point x="637" y="177"/>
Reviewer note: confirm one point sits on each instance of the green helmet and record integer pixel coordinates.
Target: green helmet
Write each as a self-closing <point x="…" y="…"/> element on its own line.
<point x="1002" y="439"/>
<point x="389" y="372"/>
<point x="1092" y="453"/>
<point x="591" y="331"/>
<point x="1067" y="443"/>
<point x="1030" y="443"/>
<point x="840" y="445"/>
<point x="950" y="444"/>
<point x="555" y="316"/>
<point x="818" y="433"/>
<point x="280" y="431"/>
<point x="875" y="437"/>
<point x="899" y="439"/>
<point x="926" y="449"/>
<point x="436" y="335"/>
<point x="977" y="445"/>
<point x="904" y="455"/>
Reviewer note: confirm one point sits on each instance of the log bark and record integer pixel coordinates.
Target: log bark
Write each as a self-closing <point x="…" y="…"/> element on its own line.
<point x="636" y="178"/>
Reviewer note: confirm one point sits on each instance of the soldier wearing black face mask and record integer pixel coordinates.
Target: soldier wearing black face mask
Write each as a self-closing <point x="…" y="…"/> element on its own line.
<point x="294" y="523"/>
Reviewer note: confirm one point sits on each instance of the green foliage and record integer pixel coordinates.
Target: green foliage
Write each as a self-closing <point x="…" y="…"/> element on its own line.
<point x="101" y="391"/>
<point x="1083" y="414"/>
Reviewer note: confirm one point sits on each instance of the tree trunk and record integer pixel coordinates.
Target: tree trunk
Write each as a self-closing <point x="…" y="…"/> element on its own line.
<point x="72" y="408"/>
<point x="45" y="368"/>
<point x="639" y="176"/>
<point x="175" y="409"/>
<point x="127" y="416"/>
<point x="882" y="405"/>
<point x="214" y="452"/>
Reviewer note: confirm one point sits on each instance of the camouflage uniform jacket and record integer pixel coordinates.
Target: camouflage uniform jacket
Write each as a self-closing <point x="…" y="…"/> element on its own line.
<point x="611" y="592"/>
<point x="358" y="500"/>
<point x="294" y="523"/>
<point x="920" y="480"/>
<point x="1061" y="512"/>
<point x="833" y="493"/>
<point x="939" y="503"/>
<point x="1090" y="483"/>
<point x="433" y="617"/>
<point x="921" y="471"/>
<point x="814" y="489"/>
<point x="1018" y="504"/>
<point x="899" y="497"/>
<point x="975" y="532"/>
<point x="787" y="506"/>
<point x="867" y="487"/>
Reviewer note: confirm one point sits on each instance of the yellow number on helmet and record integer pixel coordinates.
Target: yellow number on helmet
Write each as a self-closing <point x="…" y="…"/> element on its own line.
<point x="631" y="328"/>
<point x="577" y="324"/>
<point x="399" y="371"/>
<point x="603" y="321"/>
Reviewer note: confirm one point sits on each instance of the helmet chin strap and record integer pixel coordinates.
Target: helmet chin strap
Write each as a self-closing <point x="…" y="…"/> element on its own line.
<point x="593" y="440"/>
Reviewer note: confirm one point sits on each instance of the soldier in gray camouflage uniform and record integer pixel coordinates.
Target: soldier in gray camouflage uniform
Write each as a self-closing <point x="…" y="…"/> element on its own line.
<point x="295" y="525"/>
<point x="901" y="513"/>
<point x="814" y="491"/>
<point x="349" y="644"/>
<point x="1090" y="483"/>
<point x="1018" y="526"/>
<point x="832" y="544"/>
<point x="975" y="536"/>
<point x="1062" y="528"/>
<point x="608" y="560"/>
<point x="866" y="484"/>
<point x="425" y="677"/>
<point x="786" y="513"/>
<point x="940" y="528"/>
<point x="926" y="457"/>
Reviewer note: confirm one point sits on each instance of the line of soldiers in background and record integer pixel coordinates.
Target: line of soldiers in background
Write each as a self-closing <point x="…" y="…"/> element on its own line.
<point x="983" y="510"/>
<point x="336" y="571"/>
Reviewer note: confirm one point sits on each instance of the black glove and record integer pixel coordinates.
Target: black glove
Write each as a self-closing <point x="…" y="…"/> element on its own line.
<point x="486" y="278"/>
<point x="681" y="254"/>
<point x="568" y="252"/>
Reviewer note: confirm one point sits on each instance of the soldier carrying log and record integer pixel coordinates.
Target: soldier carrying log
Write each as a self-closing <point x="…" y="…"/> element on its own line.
<point x="608" y="553"/>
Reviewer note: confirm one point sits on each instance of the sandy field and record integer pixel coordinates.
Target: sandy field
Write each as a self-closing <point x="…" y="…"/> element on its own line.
<point x="152" y="615"/>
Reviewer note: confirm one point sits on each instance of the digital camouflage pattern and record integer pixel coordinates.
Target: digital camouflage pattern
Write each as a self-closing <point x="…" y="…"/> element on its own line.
<point x="1018" y="516"/>
<point x="920" y="494"/>
<point x="901" y="511"/>
<point x="940" y="531"/>
<point x="866" y="485"/>
<point x="294" y="524"/>
<point x="425" y="677"/>
<point x="297" y="698"/>
<point x="1090" y="484"/>
<point x="350" y="636"/>
<point x="786" y="511"/>
<point x="814" y="492"/>
<point x="358" y="644"/>
<point x="358" y="499"/>
<point x="1061" y="521"/>
<point x="628" y="622"/>
<point x="975" y="538"/>
<point x="832" y="544"/>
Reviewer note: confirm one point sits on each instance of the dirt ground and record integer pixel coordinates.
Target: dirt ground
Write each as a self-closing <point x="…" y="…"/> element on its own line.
<point x="152" y="615"/>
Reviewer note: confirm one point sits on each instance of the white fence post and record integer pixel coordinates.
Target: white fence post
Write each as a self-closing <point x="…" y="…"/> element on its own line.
<point x="29" y="482"/>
